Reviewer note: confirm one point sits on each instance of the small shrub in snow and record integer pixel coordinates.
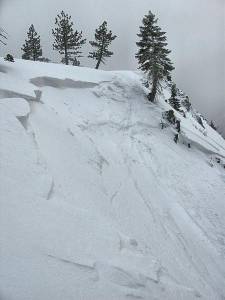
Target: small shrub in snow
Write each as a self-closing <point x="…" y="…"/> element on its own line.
<point x="169" y="78"/>
<point x="146" y="84"/>
<point x="218" y="160"/>
<point x="169" y="116"/>
<point x="178" y="125"/>
<point x="163" y="124"/>
<point x="176" y="138"/>
<point x="9" y="57"/>
<point x="183" y="113"/>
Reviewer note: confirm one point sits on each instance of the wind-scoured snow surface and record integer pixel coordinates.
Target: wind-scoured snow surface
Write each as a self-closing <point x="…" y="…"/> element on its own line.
<point x="97" y="202"/>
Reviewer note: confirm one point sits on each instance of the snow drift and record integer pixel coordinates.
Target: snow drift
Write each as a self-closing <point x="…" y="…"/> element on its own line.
<point x="97" y="201"/>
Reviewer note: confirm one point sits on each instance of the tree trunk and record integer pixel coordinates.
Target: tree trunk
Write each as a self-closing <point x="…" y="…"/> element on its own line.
<point x="98" y="64"/>
<point x="66" y="57"/>
<point x="152" y="95"/>
<point x="100" y="58"/>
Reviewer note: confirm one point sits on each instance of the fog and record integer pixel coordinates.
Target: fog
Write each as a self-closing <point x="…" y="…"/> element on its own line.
<point x="195" y="31"/>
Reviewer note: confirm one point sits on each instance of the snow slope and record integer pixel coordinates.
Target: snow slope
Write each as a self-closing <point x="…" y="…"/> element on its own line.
<point x="96" y="201"/>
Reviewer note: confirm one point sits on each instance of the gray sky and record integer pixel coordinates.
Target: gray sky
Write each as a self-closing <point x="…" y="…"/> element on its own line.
<point x="195" y="30"/>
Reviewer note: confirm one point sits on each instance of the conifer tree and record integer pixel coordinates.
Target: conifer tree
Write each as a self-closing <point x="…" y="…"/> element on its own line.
<point x="32" y="47"/>
<point x="67" y="41"/>
<point x="152" y="54"/>
<point x="174" y="101"/>
<point x="103" y="39"/>
<point x="212" y="124"/>
<point x="186" y="103"/>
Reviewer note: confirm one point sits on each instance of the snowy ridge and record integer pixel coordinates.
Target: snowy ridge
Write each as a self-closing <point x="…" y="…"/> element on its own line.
<point x="97" y="201"/>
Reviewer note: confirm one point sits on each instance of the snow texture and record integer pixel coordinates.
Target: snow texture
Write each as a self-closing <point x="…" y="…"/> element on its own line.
<point x="97" y="201"/>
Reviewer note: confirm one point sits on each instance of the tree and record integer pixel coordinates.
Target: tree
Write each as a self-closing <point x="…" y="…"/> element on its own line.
<point x="9" y="57"/>
<point x="152" y="54"/>
<point x="186" y="103"/>
<point x="199" y="120"/>
<point x="32" y="47"/>
<point x="103" y="39"/>
<point x="212" y="124"/>
<point x="169" y="116"/>
<point x="176" y="138"/>
<point x="67" y="42"/>
<point x="174" y="101"/>
<point x="3" y="36"/>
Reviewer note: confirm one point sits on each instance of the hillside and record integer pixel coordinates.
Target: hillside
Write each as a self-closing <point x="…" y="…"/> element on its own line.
<point x="97" y="201"/>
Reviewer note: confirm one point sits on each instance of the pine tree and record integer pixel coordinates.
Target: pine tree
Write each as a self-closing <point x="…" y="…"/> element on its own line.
<point x="152" y="54"/>
<point x="169" y="116"/>
<point x="213" y="125"/>
<point x="103" y="39"/>
<point x="32" y="47"/>
<point x="186" y="103"/>
<point x="67" y="42"/>
<point x="174" y="101"/>
<point x="199" y="120"/>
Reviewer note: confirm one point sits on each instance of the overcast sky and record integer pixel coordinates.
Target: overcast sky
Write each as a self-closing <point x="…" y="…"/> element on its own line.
<point x="195" y="30"/>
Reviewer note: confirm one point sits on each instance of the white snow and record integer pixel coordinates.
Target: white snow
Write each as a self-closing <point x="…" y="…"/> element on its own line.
<point x="96" y="201"/>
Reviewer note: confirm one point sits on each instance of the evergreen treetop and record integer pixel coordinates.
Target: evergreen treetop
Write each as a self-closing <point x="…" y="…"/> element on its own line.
<point x="32" y="47"/>
<point x="67" y="41"/>
<point x="103" y="39"/>
<point x="152" y="54"/>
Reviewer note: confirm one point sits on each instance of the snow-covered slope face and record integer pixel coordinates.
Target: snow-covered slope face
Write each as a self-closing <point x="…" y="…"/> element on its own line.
<point x="97" y="201"/>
